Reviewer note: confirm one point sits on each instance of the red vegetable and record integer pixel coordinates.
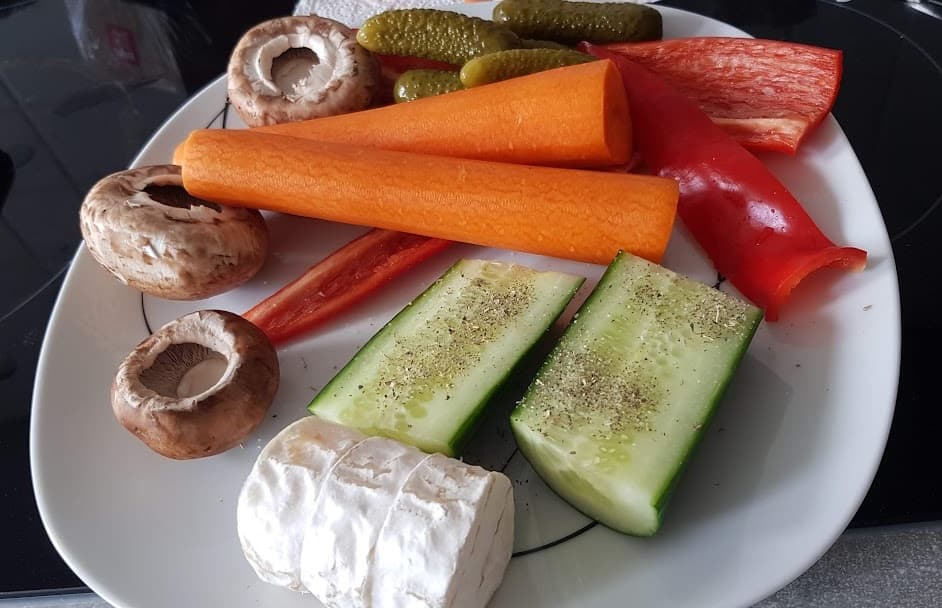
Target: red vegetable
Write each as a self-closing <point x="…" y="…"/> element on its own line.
<point x="768" y="95"/>
<point x="752" y="228"/>
<point x="341" y="280"/>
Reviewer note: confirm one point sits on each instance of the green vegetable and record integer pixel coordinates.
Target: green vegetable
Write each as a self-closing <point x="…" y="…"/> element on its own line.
<point x="434" y="34"/>
<point x="573" y="22"/>
<point x="518" y="62"/>
<point x="616" y="409"/>
<point x="527" y="43"/>
<point x="415" y="84"/>
<point x="427" y="375"/>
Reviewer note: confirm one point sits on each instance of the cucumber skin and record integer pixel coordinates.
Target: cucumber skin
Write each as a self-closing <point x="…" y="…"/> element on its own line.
<point x="461" y="436"/>
<point x="465" y="431"/>
<point x="667" y="490"/>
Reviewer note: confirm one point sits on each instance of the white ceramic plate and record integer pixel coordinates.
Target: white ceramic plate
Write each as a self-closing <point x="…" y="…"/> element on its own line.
<point x="781" y="470"/>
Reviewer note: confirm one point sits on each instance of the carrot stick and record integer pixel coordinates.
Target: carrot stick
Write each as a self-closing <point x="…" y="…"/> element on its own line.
<point x="566" y="213"/>
<point x="575" y="116"/>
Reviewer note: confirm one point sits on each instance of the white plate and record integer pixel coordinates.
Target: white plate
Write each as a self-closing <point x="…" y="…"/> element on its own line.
<point x="782" y="469"/>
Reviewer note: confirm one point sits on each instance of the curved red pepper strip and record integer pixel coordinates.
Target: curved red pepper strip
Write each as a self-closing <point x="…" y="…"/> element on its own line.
<point x="340" y="281"/>
<point x="752" y="228"/>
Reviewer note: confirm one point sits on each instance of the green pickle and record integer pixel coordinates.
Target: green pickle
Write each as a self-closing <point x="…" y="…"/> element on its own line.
<point x="416" y="84"/>
<point x="434" y="34"/>
<point x="526" y="43"/>
<point x="519" y="62"/>
<point x="574" y="22"/>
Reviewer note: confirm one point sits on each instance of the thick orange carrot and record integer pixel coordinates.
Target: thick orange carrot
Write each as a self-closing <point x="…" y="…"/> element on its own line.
<point x="567" y="213"/>
<point x="575" y="116"/>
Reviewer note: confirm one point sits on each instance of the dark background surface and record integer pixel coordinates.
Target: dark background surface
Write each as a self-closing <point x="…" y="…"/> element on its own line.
<point x="83" y="87"/>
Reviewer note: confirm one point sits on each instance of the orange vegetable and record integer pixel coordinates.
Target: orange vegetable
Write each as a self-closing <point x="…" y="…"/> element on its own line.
<point x="575" y="116"/>
<point x="566" y="213"/>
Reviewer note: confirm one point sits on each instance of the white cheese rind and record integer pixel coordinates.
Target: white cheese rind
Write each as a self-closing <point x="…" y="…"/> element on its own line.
<point x="501" y="549"/>
<point x="350" y="510"/>
<point x="279" y="496"/>
<point x="446" y="540"/>
<point x="371" y="522"/>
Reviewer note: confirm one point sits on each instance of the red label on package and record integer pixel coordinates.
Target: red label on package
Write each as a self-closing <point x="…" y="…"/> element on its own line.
<point x="121" y="42"/>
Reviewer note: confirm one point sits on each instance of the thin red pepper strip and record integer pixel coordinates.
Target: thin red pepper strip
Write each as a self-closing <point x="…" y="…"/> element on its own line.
<point x="752" y="228"/>
<point x="767" y="94"/>
<point x="340" y="281"/>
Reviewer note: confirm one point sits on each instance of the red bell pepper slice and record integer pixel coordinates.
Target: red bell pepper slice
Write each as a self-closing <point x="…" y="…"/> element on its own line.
<point x="767" y="94"/>
<point x="340" y="281"/>
<point x="752" y="228"/>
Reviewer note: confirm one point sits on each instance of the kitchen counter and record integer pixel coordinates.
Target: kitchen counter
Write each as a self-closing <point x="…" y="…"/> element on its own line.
<point x="887" y="566"/>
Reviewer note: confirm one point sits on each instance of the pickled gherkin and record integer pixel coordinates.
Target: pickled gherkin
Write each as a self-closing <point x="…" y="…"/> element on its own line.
<point x="433" y="34"/>
<point x="526" y="43"/>
<point x="416" y="84"/>
<point x="574" y="22"/>
<point x="503" y="65"/>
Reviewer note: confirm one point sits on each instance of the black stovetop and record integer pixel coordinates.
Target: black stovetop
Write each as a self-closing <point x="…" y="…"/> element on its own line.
<point x="84" y="84"/>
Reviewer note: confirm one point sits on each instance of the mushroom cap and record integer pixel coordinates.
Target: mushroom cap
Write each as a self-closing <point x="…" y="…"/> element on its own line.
<point x="147" y="231"/>
<point x="272" y="80"/>
<point x="158" y="397"/>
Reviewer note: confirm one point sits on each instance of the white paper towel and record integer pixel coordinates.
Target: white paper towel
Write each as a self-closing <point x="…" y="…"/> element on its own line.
<point x="353" y="12"/>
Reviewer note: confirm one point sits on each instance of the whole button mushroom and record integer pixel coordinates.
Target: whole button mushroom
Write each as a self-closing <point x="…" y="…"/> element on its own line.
<point x="198" y="386"/>
<point x="147" y="231"/>
<point x="297" y="68"/>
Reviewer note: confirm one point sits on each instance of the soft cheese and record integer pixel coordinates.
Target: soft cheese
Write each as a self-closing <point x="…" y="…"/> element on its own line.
<point x="279" y="496"/>
<point x="347" y="519"/>
<point x="446" y="540"/>
<point x="372" y="522"/>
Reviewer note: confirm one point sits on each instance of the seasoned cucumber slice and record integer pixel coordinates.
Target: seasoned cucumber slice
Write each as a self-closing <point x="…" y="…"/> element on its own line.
<point x="426" y="376"/>
<point x="619" y="404"/>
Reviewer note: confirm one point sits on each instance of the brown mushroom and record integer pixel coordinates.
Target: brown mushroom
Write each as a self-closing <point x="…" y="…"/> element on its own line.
<point x="147" y="231"/>
<point x="198" y="386"/>
<point x="296" y="68"/>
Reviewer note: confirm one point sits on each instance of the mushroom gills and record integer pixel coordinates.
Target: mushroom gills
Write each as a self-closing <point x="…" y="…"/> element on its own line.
<point x="298" y="66"/>
<point x="184" y="370"/>
<point x="173" y="195"/>
<point x="292" y="70"/>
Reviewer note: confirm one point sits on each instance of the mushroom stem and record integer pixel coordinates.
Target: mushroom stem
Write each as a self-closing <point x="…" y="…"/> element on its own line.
<point x="294" y="69"/>
<point x="201" y="377"/>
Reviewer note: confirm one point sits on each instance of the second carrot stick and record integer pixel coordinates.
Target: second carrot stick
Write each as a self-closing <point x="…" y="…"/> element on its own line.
<point x="574" y="214"/>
